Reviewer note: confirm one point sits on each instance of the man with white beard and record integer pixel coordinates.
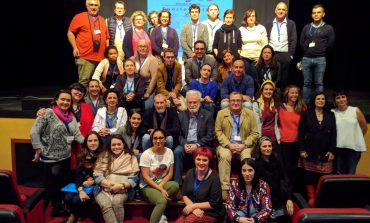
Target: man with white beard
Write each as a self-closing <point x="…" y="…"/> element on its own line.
<point x="213" y="23"/>
<point x="197" y="130"/>
<point x="160" y="117"/>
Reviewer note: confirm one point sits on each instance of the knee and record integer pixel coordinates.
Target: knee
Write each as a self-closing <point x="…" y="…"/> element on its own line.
<point x="179" y="151"/>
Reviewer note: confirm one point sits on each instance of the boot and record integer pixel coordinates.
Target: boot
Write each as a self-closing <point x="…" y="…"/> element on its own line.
<point x="311" y="195"/>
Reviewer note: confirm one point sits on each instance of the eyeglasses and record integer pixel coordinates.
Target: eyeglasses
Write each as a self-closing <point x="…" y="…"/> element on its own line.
<point x="158" y="138"/>
<point x="169" y="58"/>
<point x="235" y="100"/>
<point x="96" y="5"/>
<point x="200" y="49"/>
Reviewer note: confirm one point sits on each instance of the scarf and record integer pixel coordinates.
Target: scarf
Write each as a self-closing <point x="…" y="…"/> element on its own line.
<point x="124" y="164"/>
<point x="163" y="122"/>
<point x="65" y="117"/>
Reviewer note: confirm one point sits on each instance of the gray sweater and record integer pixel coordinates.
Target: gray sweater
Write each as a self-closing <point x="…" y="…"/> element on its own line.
<point x="49" y="134"/>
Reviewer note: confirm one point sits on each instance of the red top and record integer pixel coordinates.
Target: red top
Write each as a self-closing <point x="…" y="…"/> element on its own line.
<point x="288" y="125"/>
<point x="85" y="31"/>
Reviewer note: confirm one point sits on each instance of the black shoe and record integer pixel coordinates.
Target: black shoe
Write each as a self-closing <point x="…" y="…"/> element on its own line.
<point x="59" y="213"/>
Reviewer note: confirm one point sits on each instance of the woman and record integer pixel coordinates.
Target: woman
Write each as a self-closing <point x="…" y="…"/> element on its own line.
<point x="147" y="66"/>
<point x="317" y="138"/>
<point x="265" y="111"/>
<point x="93" y="96"/>
<point x="108" y="69"/>
<point x="130" y="87"/>
<point x="52" y="135"/>
<point x="351" y="129"/>
<point x="254" y="37"/>
<point x="164" y="36"/>
<point x="289" y="115"/>
<point x="110" y="117"/>
<point x="207" y="87"/>
<point x="84" y="117"/>
<point x="153" y="21"/>
<point x="227" y="37"/>
<point x="76" y="202"/>
<point x="116" y="173"/>
<point x="249" y="196"/>
<point x="156" y="165"/>
<point x="130" y="132"/>
<point x="225" y="66"/>
<point x="201" y="191"/>
<point x="270" y="170"/>
<point x="130" y="41"/>
<point x="267" y="67"/>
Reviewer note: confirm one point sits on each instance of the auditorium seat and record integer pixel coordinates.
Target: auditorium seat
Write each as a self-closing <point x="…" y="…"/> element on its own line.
<point x="340" y="191"/>
<point x="32" y="205"/>
<point x="10" y="213"/>
<point x="332" y="215"/>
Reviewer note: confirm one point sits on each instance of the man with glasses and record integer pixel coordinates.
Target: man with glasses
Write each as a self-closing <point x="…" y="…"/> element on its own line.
<point x="197" y="130"/>
<point x="88" y="36"/>
<point x="160" y="117"/>
<point x="169" y="80"/>
<point x="236" y="132"/>
<point x="193" y="65"/>
<point x="118" y="25"/>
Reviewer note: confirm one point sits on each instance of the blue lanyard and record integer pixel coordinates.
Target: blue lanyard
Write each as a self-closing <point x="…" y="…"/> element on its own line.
<point x="120" y="30"/>
<point x="95" y="108"/>
<point x="278" y="28"/>
<point x="267" y="74"/>
<point x="315" y="30"/>
<point x="164" y="35"/>
<point x="133" y="142"/>
<point x="196" y="184"/>
<point x="236" y="122"/>
<point x="108" y="122"/>
<point x="213" y="27"/>
<point x="194" y="32"/>
<point x="112" y="72"/>
<point x="129" y="87"/>
<point x="68" y="118"/>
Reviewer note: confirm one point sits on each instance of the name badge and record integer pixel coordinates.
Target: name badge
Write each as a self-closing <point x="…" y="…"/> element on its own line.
<point x="164" y="45"/>
<point x="237" y="138"/>
<point x="312" y="44"/>
<point x="70" y="139"/>
<point x="97" y="31"/>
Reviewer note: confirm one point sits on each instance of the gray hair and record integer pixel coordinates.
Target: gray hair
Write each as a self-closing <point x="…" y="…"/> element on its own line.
<point x="189" y="92"/>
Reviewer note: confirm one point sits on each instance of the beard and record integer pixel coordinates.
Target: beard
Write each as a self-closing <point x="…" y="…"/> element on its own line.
<point x="194" y="110"/>
<point x="160" y="110"/>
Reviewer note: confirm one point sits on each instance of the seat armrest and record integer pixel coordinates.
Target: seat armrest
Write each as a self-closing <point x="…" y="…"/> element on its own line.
<point x="300" y="201"/>
<point x="34" y="200"/>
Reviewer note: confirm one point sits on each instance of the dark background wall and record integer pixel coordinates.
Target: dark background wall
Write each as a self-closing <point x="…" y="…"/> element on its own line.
<point x="37" y="52"/>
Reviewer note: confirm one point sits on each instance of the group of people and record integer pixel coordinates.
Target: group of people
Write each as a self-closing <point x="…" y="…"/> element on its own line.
<point x="130" y="127"/>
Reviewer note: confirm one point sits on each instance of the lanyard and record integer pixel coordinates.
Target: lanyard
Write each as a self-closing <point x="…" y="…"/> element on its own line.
<point x="68" y="118"/>
<point x="97" y="19"/>
<point x="141" y="64"/>
<point x="278" y="26"/>
<point x="194" y="26"/>
<point x="129" y="87"/>
<point x="94" y="107"/>
<point x="139" y="36"/>
<point x="315" y="29"/>
<point x="109" y="122"/>
<point x="120" y="26"/>
<point x="164" y="35"/>
<point x="267" y="74"/>
<point x="236" y="122"/>
<point x="196" y="184"/>
<point x="111" y="70"/>
<point x="212" y="28"/>
<point x="132" y="142"/>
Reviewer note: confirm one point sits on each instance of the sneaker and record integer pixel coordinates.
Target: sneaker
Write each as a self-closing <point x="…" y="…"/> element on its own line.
<point x="72" y="219"/>
<point x="163" y="219"/>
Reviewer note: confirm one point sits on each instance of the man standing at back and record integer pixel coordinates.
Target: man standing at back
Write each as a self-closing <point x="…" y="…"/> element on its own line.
<point x="316" y="39"/>
<point x="213" y="23"/>
<point x="282" y="36"/>
<point x="192" y="32"/>
<point x="118" y="25"/>
<point x="88" y="36"/>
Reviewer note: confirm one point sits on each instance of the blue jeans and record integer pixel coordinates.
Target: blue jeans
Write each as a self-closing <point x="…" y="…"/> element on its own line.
<point x="146" y="142"/>
<point x="250" y="68"/>
<point x="313" y="69"/>
<point x="346" y="160"/>
<point x="179" y="155"/>
<point x="149" y="102"/>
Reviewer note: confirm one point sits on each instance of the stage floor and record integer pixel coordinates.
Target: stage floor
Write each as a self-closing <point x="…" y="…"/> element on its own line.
<point x="23" y="103"/>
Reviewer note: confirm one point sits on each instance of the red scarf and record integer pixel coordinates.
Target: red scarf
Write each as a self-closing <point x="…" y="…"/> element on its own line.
<point x="65" y="117"/>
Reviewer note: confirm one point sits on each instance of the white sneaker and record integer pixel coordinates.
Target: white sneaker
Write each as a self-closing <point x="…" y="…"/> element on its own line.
<point x="163" y="219"/>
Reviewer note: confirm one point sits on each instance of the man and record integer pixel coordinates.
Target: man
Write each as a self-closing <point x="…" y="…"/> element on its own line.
<point x="160" y="117"/>
<point x="213" y="23"/>
<point x="196" y="130"/>
<point x="240" y="82"/>
<point x="282" y="36"/>
<point x="193" y="65"/>
<point x="88" y="36"/>
<point x="169" y="80"/>
<point x="316" y="39"/>
<point x="192" y="32"/>
<point x="118" y="25"/>
<point x="236" y="132"/>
